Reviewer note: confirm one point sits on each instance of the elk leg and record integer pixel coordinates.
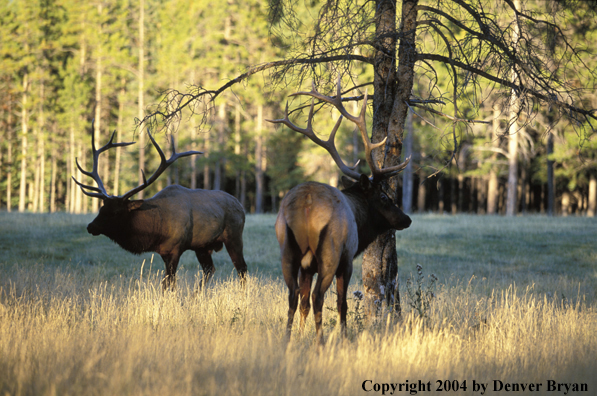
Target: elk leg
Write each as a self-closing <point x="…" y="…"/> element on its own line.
<point x="207" y="264"/>
<point x="235" y="251"/>
<point x="171" y="261"/>
<point x="342" y="281"/>
<point x="305" y="279"/>
<point x="290" y="269"/>
<point x="321" y="286"/>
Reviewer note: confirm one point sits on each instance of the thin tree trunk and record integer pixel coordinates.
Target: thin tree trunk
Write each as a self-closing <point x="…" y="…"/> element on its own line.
<point x="97" y="124"/>
<point x="220" y="146"/>
<point x="259" y="177"/>
<point x="118" y="154"/>
<point x="592" y="207"/>
<point x="421" y="194"/>
<point x="71" y="188"/>
<point x="511" y="202"/>
<point x="492" y="185"/>
<point x="407" y="175"/>
<point x="42" y="172"/>
<point x="193" y="140"/>
<point x="141" y="94"/>
<point x="237" y="140"/>
<point x="79" y="197"/>
<point x="551" y="185"/>
<point x="9" y="137"/>
<point x="24" y="131"/>
<point x="206" y="145"/>
<point x="53" y="171"/>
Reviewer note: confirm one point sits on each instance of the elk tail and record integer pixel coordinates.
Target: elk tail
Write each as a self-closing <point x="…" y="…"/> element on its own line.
<point x="307" y="258"/>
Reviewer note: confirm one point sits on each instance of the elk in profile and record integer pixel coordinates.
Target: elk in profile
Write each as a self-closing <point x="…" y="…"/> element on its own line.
<point x="321" y="229"/>
<point x="173" y="221"/>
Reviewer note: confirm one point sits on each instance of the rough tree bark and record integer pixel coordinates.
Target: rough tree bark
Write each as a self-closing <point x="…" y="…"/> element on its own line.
<point x="393" y="87"/>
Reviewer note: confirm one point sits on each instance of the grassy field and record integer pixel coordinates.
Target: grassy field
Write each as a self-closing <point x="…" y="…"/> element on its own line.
<point x="515" y="304"/>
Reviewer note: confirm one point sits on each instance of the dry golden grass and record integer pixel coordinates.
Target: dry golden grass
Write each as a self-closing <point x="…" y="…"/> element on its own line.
<point x="69" y="333"/>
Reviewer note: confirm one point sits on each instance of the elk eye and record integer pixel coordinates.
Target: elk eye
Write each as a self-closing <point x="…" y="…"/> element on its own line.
<point x="384" y="198"/>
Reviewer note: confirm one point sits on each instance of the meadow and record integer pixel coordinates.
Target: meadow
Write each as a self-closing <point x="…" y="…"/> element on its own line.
<point x="514" y="310"/>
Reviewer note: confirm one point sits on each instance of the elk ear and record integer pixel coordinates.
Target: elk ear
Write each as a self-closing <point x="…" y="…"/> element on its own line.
<point x="346" y="182"/>
<point x="134" y="205"/>
<point x="365" y="183"/>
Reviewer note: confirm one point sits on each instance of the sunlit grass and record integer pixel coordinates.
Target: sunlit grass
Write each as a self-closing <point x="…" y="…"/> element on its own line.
<point x="515" y="302"/>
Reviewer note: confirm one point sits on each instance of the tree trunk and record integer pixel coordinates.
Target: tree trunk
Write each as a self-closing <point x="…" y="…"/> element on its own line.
<point x="118" y="154"/>
<point x="220" y="148"/>
<point x="392" y="91"/>
<point x="206" y="148"/>
<point x="407" y="175"/>
<point x="141" y="94"/>
<point x="592" y="207"/>
<point x="97" y="122"/>
<point x="193" y="158"/>
<point x="9" y="159"/>
<point x="53" y="184"/>
<point x="71" y="186"/>
<point x="421" y="194"/>
<point x="41" y="206"/>
<point x="259" y="177"/>
<point x="551" y="185"/>
<point x="492" y="184"/>
<point x="237" y="139"/>
<point x="24" y="131"/>
<point x="511" y="202"/>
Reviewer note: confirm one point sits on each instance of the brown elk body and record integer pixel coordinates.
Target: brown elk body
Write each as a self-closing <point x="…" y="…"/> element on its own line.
<point x="321" y="229"/>
<point x="173" y="221"/>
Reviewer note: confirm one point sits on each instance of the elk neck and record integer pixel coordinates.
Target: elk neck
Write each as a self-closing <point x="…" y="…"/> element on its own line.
<point x="369" y="223"/>
<point x="141" y="231"/>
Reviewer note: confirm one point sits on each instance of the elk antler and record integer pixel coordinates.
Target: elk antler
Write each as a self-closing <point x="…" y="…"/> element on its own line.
<point x="329" y="145"/>
<point x="100" y="190"/>
<point x="164" y="164"/>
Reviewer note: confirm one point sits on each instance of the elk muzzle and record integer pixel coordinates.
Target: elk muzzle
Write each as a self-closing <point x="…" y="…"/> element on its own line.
<point x="93" y="229"/>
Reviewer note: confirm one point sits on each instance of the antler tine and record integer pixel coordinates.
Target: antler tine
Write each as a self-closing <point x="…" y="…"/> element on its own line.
<point x="164" y="164"/>
<point x="100" y="194"/>
<point x="328" y="145"/>
<point x="100" y="190"/>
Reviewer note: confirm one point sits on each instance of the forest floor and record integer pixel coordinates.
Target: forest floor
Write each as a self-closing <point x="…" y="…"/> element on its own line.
<point x="514" y="309"/>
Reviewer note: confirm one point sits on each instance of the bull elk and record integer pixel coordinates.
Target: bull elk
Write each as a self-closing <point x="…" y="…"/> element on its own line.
<point x="173" y="221"/>
<point x="321" y="229"/>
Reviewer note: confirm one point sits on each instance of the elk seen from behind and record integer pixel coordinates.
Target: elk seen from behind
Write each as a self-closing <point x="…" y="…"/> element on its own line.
<point x="173" y="221"/>
<point x="320" y="229"/>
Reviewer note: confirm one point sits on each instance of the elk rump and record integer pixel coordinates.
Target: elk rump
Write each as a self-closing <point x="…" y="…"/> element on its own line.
<point x="173" y="221"/>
